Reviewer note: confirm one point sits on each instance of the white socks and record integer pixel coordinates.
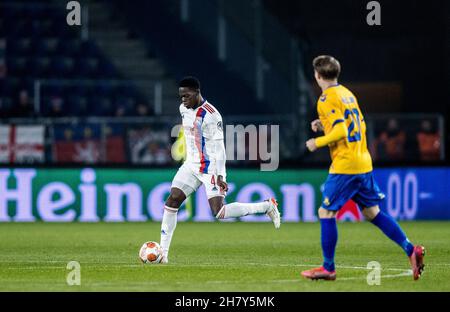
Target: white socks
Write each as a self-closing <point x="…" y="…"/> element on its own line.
<point x="235" y="210"/>
<point x="168" y="225"/>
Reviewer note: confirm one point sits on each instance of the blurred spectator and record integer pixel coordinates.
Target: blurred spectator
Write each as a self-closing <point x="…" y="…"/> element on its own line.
<point x="154" y="154"/>
<point x="87" y="150"/>
<point x="428" y="140"/>
<point x="24" y="107"/>
<point x="120" y="111"/>
<point x="64" y="147"/>
<point x="124" y="107"/>
<point x="390" y="145"/>
<point x="142" y="110"/>
<point x="68" y="135"/>
<point x="115" y="144"/>
<point x="56" y="107"/>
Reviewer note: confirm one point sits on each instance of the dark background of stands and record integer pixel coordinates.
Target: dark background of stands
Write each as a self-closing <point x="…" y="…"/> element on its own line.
<point x="399" y="68"/>
<point x="411" y="46"/>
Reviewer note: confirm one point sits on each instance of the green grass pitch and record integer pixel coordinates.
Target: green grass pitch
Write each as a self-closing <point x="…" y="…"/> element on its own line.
<point x="216" y="256"/>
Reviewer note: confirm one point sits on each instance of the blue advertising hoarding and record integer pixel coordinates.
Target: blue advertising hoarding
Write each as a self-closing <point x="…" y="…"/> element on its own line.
<point x="415" y="193"/>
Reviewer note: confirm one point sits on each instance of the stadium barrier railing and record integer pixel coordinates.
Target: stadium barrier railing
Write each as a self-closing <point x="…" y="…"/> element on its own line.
<point x="149" y="140"/>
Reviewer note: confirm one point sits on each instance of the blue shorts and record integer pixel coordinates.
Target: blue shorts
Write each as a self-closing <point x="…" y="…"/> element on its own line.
<point x="361" y="188"/>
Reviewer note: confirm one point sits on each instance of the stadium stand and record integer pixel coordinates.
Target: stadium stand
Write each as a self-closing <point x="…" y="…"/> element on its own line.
<point x="40" y="45"/>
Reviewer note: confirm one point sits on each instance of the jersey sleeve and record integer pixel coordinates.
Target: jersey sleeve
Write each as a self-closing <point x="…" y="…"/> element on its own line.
<point x="182" y="109"/>
<point x="213" y="128"/>
<point x="330" y="109"/>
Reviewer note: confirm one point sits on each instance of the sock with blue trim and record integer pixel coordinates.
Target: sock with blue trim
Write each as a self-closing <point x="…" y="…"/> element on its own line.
<point x="392" y="230"/>
<point x="329" y="236"/>
<point x="168" y="225"/>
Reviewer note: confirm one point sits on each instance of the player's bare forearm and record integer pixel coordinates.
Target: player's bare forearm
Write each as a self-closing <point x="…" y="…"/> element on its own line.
<point x="317" y="126"/>
<point x="221" y="183"/>
<point x="311" y="145"/>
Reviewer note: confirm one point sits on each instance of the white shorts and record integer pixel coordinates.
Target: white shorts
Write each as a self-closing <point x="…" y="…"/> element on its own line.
<point x="189" y="180"/>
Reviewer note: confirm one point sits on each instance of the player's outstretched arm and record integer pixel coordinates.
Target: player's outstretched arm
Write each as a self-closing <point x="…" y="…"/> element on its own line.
<point x="338" y="132"/>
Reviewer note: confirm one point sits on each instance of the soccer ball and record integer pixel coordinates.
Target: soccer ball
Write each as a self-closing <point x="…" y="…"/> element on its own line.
<point x="151" y="252"/>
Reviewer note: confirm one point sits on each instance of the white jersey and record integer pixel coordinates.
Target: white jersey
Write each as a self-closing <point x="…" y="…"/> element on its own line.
<point x="202" y="126"/>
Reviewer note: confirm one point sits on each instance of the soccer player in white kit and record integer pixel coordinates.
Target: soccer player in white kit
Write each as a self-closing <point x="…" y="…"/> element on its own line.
<point x="204" y="164"/>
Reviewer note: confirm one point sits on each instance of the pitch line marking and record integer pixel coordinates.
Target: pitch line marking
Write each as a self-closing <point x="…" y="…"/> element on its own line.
<point x="128" y="264"/>
<point x="402" y="274"/>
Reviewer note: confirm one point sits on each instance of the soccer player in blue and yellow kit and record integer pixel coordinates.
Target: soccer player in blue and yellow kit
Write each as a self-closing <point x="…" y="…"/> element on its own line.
<point x="350" y="175"/>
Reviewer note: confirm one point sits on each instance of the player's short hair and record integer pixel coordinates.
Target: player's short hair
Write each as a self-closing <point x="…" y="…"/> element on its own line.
<point x="190" y="82"/>
<point x="327" y="67"/>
